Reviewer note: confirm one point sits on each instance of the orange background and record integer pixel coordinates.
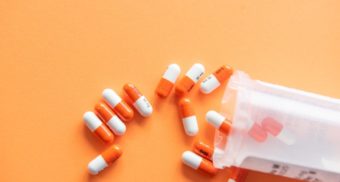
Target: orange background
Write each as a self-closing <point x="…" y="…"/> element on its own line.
<point x="56" y="57"/>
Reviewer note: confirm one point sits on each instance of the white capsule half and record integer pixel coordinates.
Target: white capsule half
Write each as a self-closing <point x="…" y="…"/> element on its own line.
<point x="172" y="73"/>
<point x="190" y="125"/>
<point x="191" y="159"/>
<point x="195" y="72"/>
<point x="116" y="125"/>
<point x="97" y="165"/>
<point x="209" y="84"/>
<point x="111" y="97"/>
<point x="92" y="121"/>
<point x="143" y="106"/>
<point x="214" y="118"/>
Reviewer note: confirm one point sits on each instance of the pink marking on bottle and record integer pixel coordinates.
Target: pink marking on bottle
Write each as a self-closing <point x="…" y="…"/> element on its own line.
<point x="272" y="126"/>
<point x="257" y="133"/>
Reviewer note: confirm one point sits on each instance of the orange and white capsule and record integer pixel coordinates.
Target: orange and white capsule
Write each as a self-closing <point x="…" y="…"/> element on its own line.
<point x="168" y="80"/>
<point x="189" y="80"/>
<point x="97" y="127"/>
<point x="188" y="116"/>
<point x="110" y="119"/>
<point x="198" y="163"/>
<point x="214" y="80"/>
<point x="218" y="121"/>
<point x="238" y="174"/>
<point x="206" y="151"/>
<point x="118" y="105"/>
<point x="140" y="102"/>
<point x="104" y="159"/>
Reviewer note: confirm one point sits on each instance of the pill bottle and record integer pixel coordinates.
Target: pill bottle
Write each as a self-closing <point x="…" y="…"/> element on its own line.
<point x="279" y="130"/>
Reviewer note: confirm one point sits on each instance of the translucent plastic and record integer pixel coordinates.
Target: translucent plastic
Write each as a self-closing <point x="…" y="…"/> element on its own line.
<point x="280" y="130"/>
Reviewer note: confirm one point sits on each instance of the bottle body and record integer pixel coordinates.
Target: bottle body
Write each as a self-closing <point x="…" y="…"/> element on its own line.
<point x="299" y="130"/>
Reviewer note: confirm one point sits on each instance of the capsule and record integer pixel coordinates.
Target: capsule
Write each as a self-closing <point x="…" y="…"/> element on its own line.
<point x="215" y="79"/>
<point x="188" y="116"/>
<point x="124" y="111"/>
<point x="218" y="121"/>
<point x="238" y="174"/>
<point x="189" y="80"/>
<point x="168" y="80"/>
<point x="110" y="119"/>
<point x="97" y="127"/>
<point x="198" y="163"/>
<point x="104" y="159"/>
<point x="275" y="128"/>
<point x="206" y="151"/>
<point x="140" y="102"/>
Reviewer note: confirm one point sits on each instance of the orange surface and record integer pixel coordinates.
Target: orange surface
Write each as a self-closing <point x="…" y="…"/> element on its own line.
<point x="56" y="57"/>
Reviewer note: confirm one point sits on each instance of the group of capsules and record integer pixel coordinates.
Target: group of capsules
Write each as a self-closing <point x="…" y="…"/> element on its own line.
<point x="113" y="113"/>
<point x="258" y="130"/>
<point x="185" y="85"/>
<point x="109" y="120"/>
<point x="201" y="158"/>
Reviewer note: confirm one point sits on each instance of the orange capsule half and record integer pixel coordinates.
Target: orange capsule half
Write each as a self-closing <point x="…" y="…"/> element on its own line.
<point x="110" y="118"/>
<point x="238" y="174"/>
<point x="213" y="81"/>
<point x="105" y="159"/>
<point x="188" y="116"/>
<point x="97" y="127"/>
<point x="140" y="102"/>
<point x="198" y="163"/>
<point x="205" y="150"/>
<point x="168" y="80"/>
<point x="118" y="105"/>
<point x="218" y="121"/>
<point x="189" y="80"/>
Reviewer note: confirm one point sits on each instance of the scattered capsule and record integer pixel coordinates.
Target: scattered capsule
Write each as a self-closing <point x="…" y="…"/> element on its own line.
<point x="218" y="121"/>
<point x="140" y="102"/>
<point x="198" y="163"/>
<point x="97" y="127"/>
<point x="110" y="119"/>
<point x="214" y="80"/>
<point x="118" y="105"/>
<point x="188" y="116"/>
<point x="275" y="128"/>
<point x="205" y="150"/>
<point x="189" y="80"/>
<point x="104" y="160"/>
<point x="238" y="174"/>
<point x="168" y="80"/>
